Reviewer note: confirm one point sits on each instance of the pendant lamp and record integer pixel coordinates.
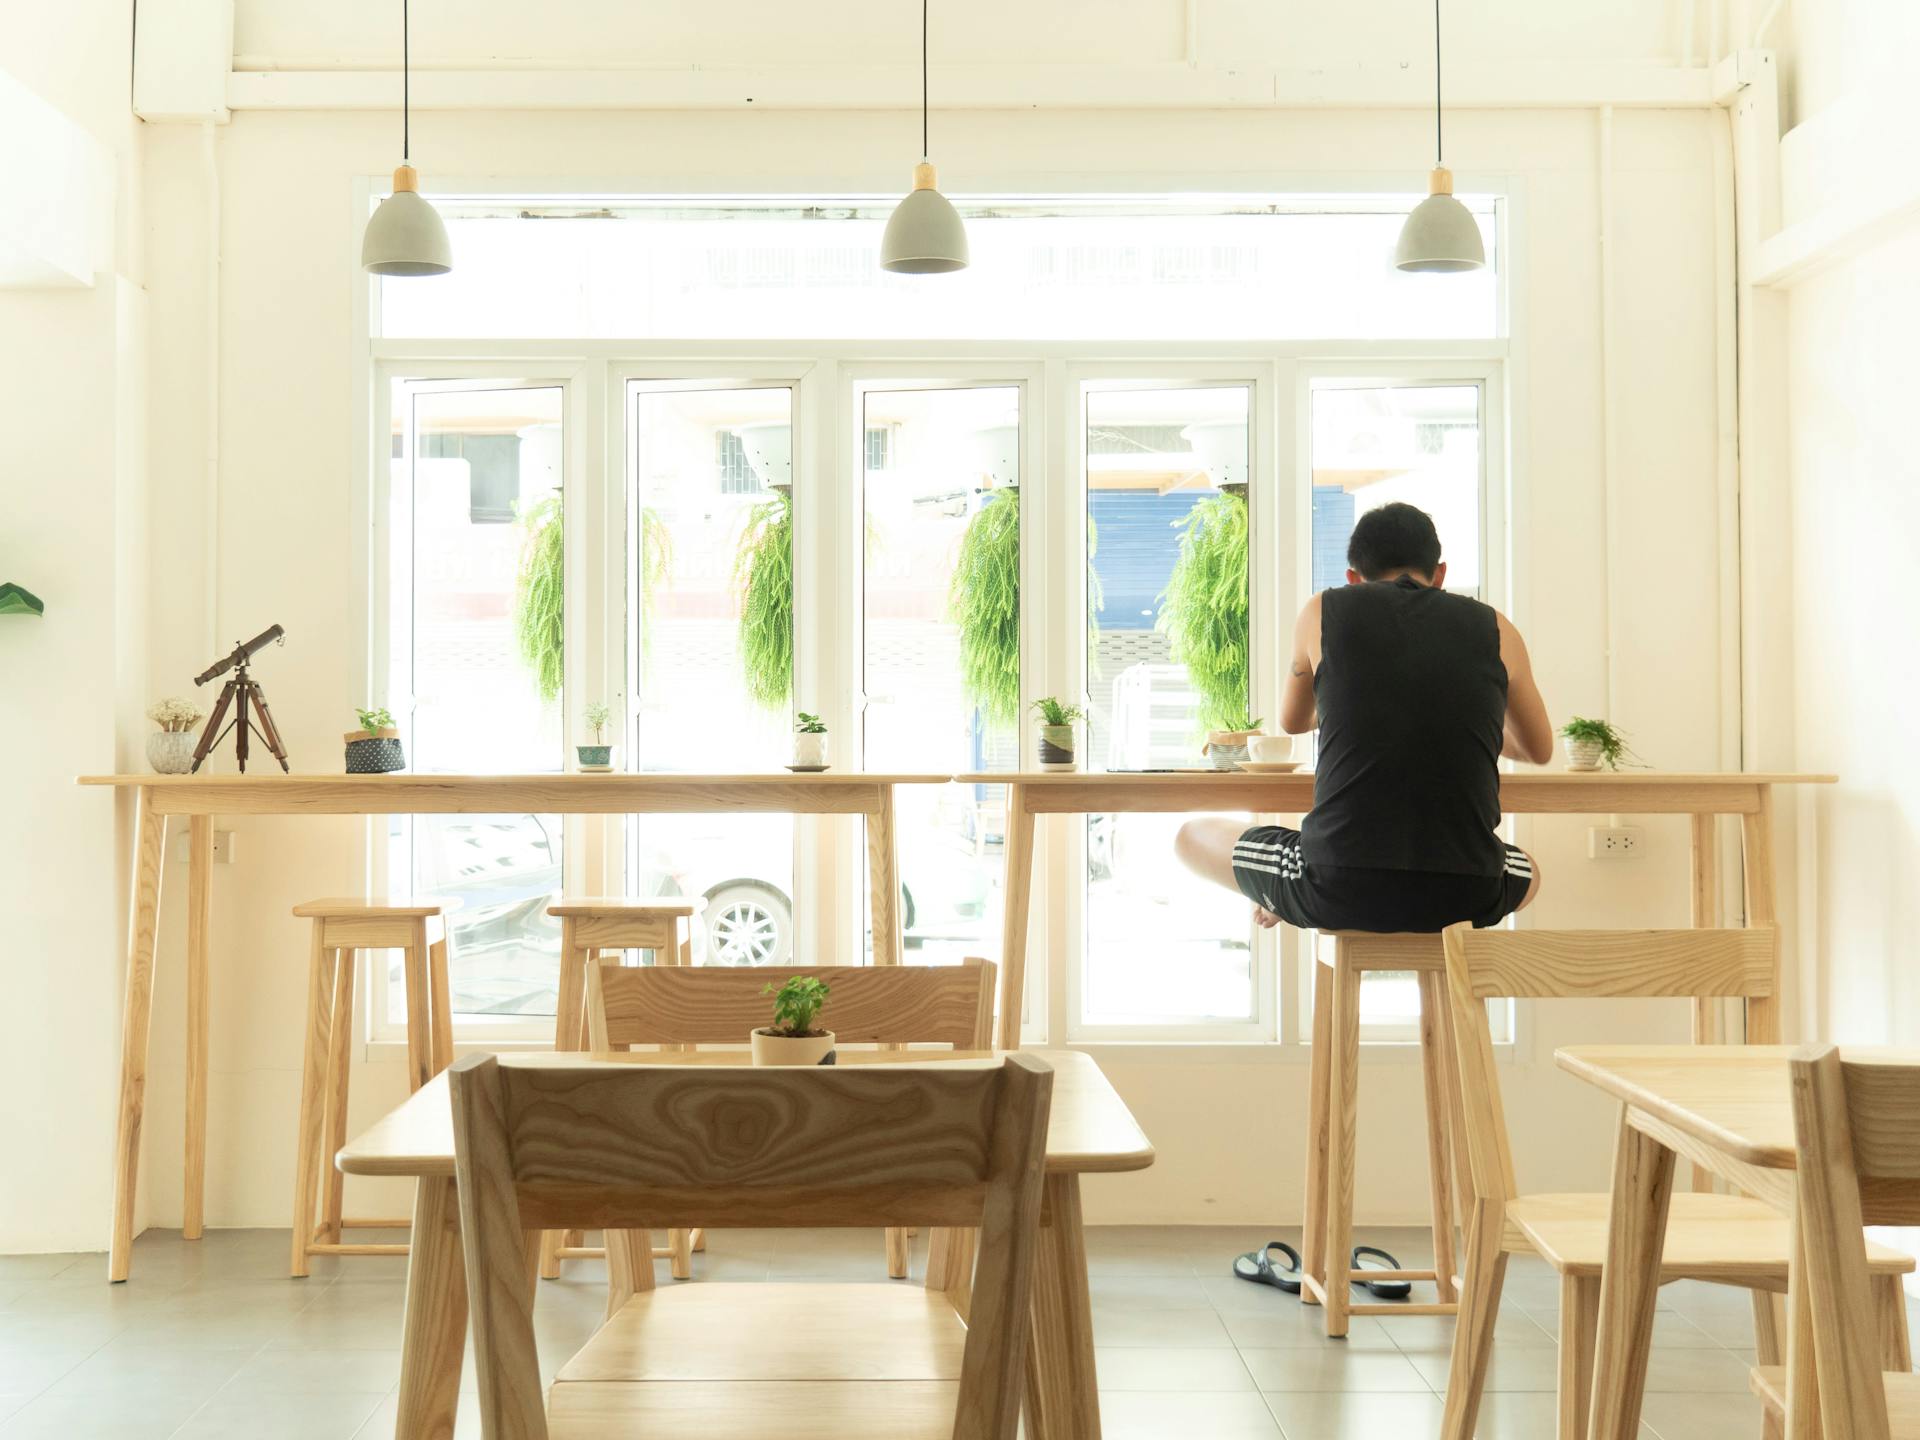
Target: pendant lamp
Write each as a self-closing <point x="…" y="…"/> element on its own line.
<point x="1441" y="234"/>
<point x="924" y="235"/>
<point x="406" y="235"/>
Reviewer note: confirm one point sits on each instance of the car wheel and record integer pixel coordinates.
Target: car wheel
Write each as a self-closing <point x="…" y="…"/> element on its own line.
<point x="748" y="923"/>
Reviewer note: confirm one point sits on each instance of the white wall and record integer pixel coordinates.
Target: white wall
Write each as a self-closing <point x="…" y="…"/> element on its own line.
<point x="1230" y="1128"/>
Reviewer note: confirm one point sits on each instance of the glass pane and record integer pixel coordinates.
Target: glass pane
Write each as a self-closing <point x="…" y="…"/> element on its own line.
<point x="941" y="648"/>
<point x="710" y="596"/>
<point x="1043" y="268"/>
<point x="475" y="675"/>
<point x="1372" y="445"/>
<point x="1167" y="660"/>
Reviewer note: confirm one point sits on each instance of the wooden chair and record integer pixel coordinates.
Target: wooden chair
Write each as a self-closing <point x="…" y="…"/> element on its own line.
<point x="891" y="1005"/>
<point x="1346" y="957"/>
<point x="342" y="928"/>
<point x="1857" y="1131"/>
<point x="1725" y="1239"/>
<point x="959" y="1143"/>
<point x="589" y="928"/>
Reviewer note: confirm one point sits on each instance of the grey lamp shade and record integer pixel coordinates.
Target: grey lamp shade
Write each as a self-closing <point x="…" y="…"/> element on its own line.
<point x="924" y="236"/>
<point x="406" y="235"/>
<point x="1441" y="233"/>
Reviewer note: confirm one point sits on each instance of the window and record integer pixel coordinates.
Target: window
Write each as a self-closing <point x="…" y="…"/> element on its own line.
<point x="853" y="510"/>
<point x="476" y="478"/>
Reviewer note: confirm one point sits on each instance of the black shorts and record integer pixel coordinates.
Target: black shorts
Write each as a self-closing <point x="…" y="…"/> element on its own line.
<point x="1271" y="872"/>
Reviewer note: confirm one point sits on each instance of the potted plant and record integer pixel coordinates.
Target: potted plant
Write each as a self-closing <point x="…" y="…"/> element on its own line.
<point x="599" y="755"/>
<point x="1056" y="744"/>
<point x="374" y="749"/>
<point x="794" y="1037"/>
<point x="1591" y="744"/>
<point x="170" y="748"/>
<point x="1226" y="747"/>
<point x="809" y="742"/>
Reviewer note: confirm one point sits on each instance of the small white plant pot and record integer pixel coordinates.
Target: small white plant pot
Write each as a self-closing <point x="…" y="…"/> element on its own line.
<point x="170" y="752"/>
<point x="1225" y="749"/>
<point x="771" y="1049"/>
<point x="1581" y="754"/>
<point x="810" y="750"/>
<point x="1055" y="748"/>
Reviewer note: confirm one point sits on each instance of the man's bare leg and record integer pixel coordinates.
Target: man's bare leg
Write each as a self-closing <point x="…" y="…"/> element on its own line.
<point x="1205" y="846"/>
<point x="1533" y="885"/>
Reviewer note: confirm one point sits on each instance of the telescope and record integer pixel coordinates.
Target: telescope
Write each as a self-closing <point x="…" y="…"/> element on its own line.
<point x="240" y="691"/>
<point x="242" y="653"/>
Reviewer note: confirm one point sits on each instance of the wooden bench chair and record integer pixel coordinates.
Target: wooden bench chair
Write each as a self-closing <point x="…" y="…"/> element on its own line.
<point x="957" y="1143"/>
<point x="1857" y="1131"/>
<point x="1726" y="1239"/>
<point x="889" y="1005"/>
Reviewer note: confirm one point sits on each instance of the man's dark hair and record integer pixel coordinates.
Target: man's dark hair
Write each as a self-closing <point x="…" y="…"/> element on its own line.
<point x="1394" y="537"/>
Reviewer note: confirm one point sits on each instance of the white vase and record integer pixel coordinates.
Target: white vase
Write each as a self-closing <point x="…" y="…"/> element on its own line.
<point x="770" y="1049"/>
<point x="1582" y="754"/>
<point x="170" y="752"/>
<point x="810" y="750"/>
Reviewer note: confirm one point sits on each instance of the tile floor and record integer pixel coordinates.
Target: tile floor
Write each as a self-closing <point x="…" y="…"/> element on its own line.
<point x="211" y="1341"/>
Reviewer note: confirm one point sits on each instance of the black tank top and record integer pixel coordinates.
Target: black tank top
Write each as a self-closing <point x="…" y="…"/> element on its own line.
<point x="1412" y="697"/>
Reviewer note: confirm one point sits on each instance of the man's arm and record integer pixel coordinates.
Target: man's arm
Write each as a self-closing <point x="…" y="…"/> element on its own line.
<point x="1529" y="733"/>
<point x="1297" y="714"/>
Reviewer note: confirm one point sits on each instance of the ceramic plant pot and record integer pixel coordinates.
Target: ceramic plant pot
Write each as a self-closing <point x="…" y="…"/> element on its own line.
<point x="595" y="757"/>
<point x="1581" y="754"/>
<point x="374" y="753"/>
<point x="1055" y="750"/>
<point x="170" y="752"/>
<point x="810" y="750"/>
<point x="1225" y="749"/>
<point x="771" y="1049"/>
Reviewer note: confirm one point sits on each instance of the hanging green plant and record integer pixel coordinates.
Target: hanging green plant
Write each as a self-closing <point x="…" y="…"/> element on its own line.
<point x="656" y="560"/>
<point x="763" y="571"/>
<point x="537" y="596"/>
<point x="1204" y="607"/>
<point x="983" y="599"/>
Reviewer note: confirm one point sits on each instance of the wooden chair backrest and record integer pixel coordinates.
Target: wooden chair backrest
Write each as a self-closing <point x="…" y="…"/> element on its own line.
<point x="1583" y="964"/>
<point x="959" y="1142"/>
<point x="1857" y="1131"/>
<point x="723" y="1005"/>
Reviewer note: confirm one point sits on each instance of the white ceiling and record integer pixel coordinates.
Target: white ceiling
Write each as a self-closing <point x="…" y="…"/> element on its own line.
<point x="1294" y="34"/>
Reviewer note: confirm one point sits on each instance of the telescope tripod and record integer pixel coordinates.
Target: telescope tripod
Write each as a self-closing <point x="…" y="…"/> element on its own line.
<point x="240" y="689"/>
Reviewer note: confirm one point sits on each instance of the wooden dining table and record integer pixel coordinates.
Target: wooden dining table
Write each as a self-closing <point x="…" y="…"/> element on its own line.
<point x="1700" y="796"/>
<point x="1728" y="1109"/>
<point x="1089" y="1131"/>
<point x="160" y="799"/>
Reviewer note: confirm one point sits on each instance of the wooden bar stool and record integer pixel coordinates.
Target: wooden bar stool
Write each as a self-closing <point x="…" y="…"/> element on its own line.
<point x="588" y="929"/>
<point x="1344" y="958"/>
<point x="341" y="930"/>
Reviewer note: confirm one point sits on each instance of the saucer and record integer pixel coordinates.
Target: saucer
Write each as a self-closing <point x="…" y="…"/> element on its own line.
<point x="1269" y="767"/>
<point x="808" y="769"/>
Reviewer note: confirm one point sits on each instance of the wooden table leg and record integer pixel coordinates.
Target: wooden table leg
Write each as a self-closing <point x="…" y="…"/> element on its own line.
<point x="435" y="1329"/>
<point x="1013" y="940"/>
<point x="1637" y="1232"/>
<point x="149" y="845"/>
<point x="570" y="1008"/>
<point x="883" y="872"/>
<point x="1756" y="846"/>
<point x="1063" y="1402"/>
<point x="1705" y="915"/>
<point x="199" y="930"/>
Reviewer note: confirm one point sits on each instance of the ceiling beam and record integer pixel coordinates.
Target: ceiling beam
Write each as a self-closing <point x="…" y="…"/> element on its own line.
<point x="1530" y="85"/>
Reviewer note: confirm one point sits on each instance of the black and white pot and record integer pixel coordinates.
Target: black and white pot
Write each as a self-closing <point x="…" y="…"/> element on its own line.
<point x="375" y="752"/>
<point x="1055" y="748"/>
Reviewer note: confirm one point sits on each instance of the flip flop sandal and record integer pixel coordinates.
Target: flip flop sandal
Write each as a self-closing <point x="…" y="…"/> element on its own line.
<point x="1371" y="1257"/>
<point x="1258" y="1267"/>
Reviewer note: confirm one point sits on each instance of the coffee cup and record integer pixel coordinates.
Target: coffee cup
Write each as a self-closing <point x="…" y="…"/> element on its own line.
<point x="1270" y="749"/>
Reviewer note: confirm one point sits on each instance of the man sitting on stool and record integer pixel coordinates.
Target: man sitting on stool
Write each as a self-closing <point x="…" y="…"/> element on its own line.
<point x="1417" y="694"/>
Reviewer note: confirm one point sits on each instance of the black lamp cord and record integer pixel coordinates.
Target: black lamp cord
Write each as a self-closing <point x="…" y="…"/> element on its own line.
<point x="924" y="6"/>
<point x="406" y="76"/>
<point x="1438" y="149"/>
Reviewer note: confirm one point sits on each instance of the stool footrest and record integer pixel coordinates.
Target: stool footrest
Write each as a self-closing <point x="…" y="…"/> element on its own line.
<point x="581" y="1252"/>
<point x="351" y="1249"/>
<point x="321" y="1230"/>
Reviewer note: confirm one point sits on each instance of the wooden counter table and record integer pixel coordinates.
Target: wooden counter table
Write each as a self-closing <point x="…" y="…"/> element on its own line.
<point x="1089" y="1131"/>
<point x="1528" y="792"/>
<point x="201" y="797"/>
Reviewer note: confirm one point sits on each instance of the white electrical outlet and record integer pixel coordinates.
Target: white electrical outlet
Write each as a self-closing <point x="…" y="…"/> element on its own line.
<point x="1615" y="842"/>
